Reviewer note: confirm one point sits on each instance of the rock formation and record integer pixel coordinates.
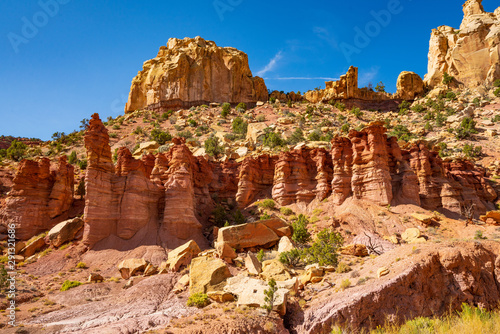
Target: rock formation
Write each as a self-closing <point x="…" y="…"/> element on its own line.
<point x="193" y="71"/>
<point x="170" y="204"/>
<point x="346" y="90"/>
<point x="471" y="53"/>
<point x="39" y="198"/>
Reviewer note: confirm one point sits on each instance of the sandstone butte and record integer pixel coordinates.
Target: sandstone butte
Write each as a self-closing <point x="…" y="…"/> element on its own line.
<point x="471" y="53"/>
<point x="166" y="199"/>
<point x="192" y="71"/>
<point x="409" y="86"/>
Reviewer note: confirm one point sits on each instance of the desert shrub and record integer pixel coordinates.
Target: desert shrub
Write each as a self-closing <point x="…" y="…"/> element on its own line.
<point x="238" y="217"/>
<point x="3" y="278"/>
<point x="494" y="119"/>
<point x="440" y="119"/>
<point x="239" y="126"/>
<point x="315" y="135"/>
<point x="356" y="112"/>
<point x="161" y="137"/>
<point x="200" y="300"/>
<point x="265" y="216"/>
<point x="212" y="146"/>
<point x="345" y="128"/>
<point x="447" y="79"/>
<point x="401" y="132"/>
<point x="466" y="129"/>
<point x="342" y="268"/>
<point x="81" y="265"/>
<point x="226" y="109"/>
<point x="404" y="107"/>
<point x="273" y="139"/>
<point x="340" y="106"/>
<point x="192" y="123"/>
<point x="497" y="92"/>
<point x="16" y="151"/>
<point x="472" y="151"/>
<point x="418" y="108"/>
<point x="185" y="134"/>
<point x="69" y="285"/>
<point x="267" y="204"/>
<point x="380" y="87"/>
<point x="428" y="126"/>
<point x="241" y="107"/>
<point x="260" y="118"/>
<point x="300" y="232"/>
<point x="451" y="95"/>
<point x="496" y="83"/>
<point x="72" y="158"/>
<point x="138" y="131"/>
<point x="345" y="284"/>
<point x="286" y="211"/>
<point x="476" y="101"/>
<point x="269" y="296"/>
<point x="296" y="137"/>
<point x="220" y="215"/>
<point x="82" y="164"/>
<point x="291" y="258"/>
<point x="260" y="255"/>
<point x="324" y="250"/>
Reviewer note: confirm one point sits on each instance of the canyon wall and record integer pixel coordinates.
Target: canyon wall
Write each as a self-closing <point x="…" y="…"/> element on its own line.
<point x="193" y="71"/>
<point x="471" y="54"/>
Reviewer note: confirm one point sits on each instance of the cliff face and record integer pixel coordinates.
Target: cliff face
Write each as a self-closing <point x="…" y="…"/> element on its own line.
<point x="409" y="86"/>
<point x="39" y="197"/>
<point x="193" y="71"/>
<point x="471" y="53"/>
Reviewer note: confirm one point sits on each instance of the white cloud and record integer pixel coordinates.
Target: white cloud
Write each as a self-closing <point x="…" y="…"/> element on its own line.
<point x="303" y="78"/>
<point x="271" y="65"/>
<point x="366" y="77"/>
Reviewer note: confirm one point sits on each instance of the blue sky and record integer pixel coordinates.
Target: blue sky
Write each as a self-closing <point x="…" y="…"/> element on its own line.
<point x="79" y="57"/>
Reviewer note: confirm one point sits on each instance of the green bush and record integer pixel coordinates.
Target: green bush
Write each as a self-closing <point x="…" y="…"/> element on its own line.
<point x="451" y="95"/>
<point x="380" y="87"/>
<point x="16" y="151"/>
<point x="72" y="158"/>
<point x="212" y="146"/>
<point x="286" y="211"/>
<point x="226" y="109"/>
<point x="296" y="137"/>
<point x="472" y="151"/>
<point x="300" y="232"/>
<point x="428" y="127"/>
<point x="440" y="119"/>
<point x="260" y="255"/>
<point x="200" y="300"/>
<point x="265" y="216"/>
<point x="220" y="215"/>
<point x="3" y="278"/>
<point x="185" y="134"/>
<point x="324" y="250"/>
<point x="418" y="108"/>
<point x="496" y="83"/>
<point x="81" y="265"/>
<point x="340" y="106"/>
<point x="82" y="164"/>
<point x="404" y="107"/>
<point x="356" y="112"/>
<point x="273" y="139"/>
<point x="497" y="92"/>
<point x="260" y="118"/>
<point x="315" y="135"/>
<point x="345" y="128"/>
<point x="69" y="285"/>
<point x="138" y="131"/>
<point x="291" y="258"/>
<point x="269" y="296"/>
<point x="161" y="137"/>
<point x="267" y="204"/>
<point x="192" y="123"/>
<point x="239" y="126"/>
<point x="494" y="119"/>
<point x="401" y="132"/>
<point x="447" y="79"/>
<point x="466" y="129"/>
<point x="241" y="107"/>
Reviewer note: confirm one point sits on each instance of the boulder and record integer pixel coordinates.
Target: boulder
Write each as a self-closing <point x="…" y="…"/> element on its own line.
<point x="256" y="234"/>
<point x="64" y="232"/>
<point x="250" y="292"/>
<point x="220" y="296"/>
<point x="255" y="130"/>
<point x="253" y="264"/>
<point x="181" y="256"/>
<point x="383" y="271"/>
<point x="181" y="284"/>
<point x="95" y="278"/>
<point x="146" y="147"/>
<point x="354" y="250"/>
<point x="225" y="252"/>
<point x="313" y="274"/>
<point x="411" y="235"/>
<point x="285" y="245"/>
<point x="33" y="247"/>
<point x="274" y="269"/>
<point x="207" y="274"/>
<point x="132" y="267"/>
<point x="409" y="86"/>
<point x="491" y="218"/>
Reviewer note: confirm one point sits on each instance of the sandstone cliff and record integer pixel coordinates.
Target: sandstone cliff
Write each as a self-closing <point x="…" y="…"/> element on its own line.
<point x="193" y="71"/>
<point x="409" y="86"/>
<point x="39" y="197"/>
<point x="470" y="54"/>
<point x="169" y="204"/>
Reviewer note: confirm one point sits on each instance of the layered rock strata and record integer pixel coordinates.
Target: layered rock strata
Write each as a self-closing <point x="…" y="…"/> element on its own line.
<point x="39" y="197"/>
<point x="471" y="54"/>
<point x="193" y="71"/>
